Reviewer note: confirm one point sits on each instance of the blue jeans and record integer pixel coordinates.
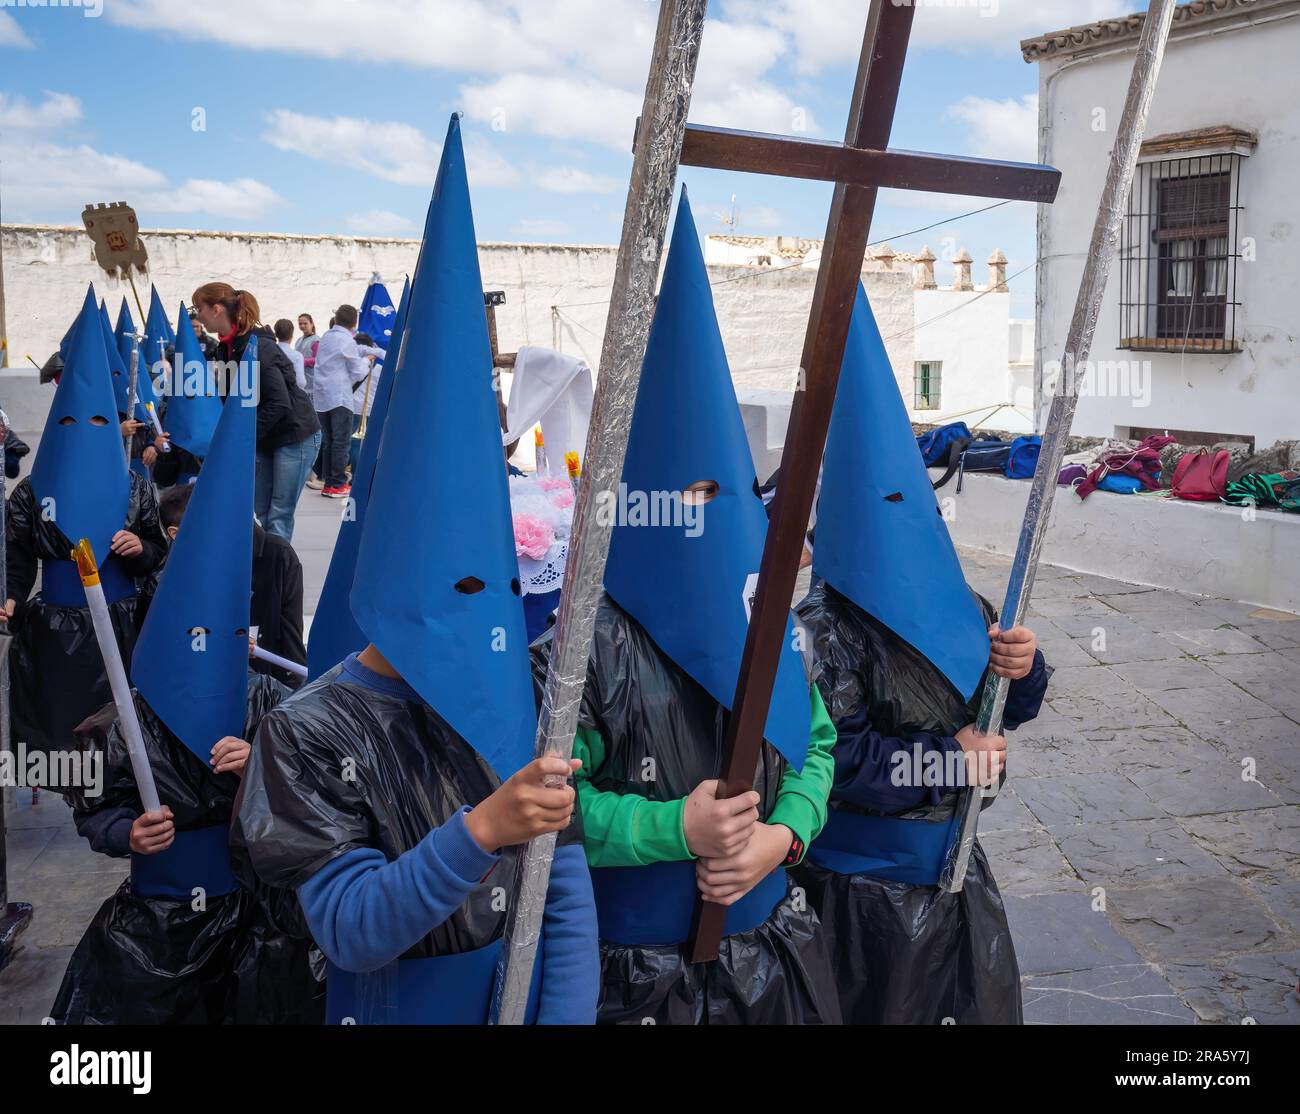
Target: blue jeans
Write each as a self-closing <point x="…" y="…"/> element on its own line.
<point x="280" y="479"/>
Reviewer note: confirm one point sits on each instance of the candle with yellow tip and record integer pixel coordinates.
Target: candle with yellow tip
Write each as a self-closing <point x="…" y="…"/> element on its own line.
<point x="128" y="721"/>
<point x="157" y="426"/>
<point x="539" y="451"/>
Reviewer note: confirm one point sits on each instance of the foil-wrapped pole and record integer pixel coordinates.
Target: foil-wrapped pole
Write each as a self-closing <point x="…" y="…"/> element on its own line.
<point x="130" y="395"/>
<point x="281" y="663"/>
<point x="1078" y="343"/>
<point x="127" y="720"/>
<point x="645" y="224"/>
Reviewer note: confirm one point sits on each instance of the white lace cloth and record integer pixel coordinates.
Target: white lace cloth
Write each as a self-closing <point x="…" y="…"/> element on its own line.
<point x="536" y="578"/>
<point x="535" y="503"/>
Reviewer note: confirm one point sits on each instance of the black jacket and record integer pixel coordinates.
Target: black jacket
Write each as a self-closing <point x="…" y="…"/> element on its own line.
<point x="15" y="448"/>
<point x="285" y="415"/>
<point x="277" y="603"/>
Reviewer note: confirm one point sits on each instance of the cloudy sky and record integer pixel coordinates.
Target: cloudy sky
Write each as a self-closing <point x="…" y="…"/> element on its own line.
<point x="327" y="115"/>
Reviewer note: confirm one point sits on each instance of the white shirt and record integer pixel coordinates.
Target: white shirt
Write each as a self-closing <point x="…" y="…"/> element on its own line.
<point x="295" y="358"/>
<point x="338" y="365"/>
<point x="361" y="400"/>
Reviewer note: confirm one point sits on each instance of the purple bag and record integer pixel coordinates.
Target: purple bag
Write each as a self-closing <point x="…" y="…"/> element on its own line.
<point x="1071" y="474"/>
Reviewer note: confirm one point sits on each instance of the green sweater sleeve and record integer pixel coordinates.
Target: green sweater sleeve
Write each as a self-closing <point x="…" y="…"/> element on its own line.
<point x="624" y="829"/>
<point x="627" y="830"/>
<point x="801" y="801"/>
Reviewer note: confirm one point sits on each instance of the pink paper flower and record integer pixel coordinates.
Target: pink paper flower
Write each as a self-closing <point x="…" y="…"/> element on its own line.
<point x="562" y="497"/>
<point x="534" y="536"/>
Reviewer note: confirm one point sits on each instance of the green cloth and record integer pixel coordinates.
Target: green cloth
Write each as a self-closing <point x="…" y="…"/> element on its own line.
<point x="627" y="830"/>
<point x="1272" y="489"/>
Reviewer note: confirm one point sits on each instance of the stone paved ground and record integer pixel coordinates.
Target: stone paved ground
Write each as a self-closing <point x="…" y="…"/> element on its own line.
<point x="1145" y="879"/>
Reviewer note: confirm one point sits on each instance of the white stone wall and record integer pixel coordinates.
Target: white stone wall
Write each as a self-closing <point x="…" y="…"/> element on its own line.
<point x="1243" y="77"/>
<point x="555" y="294"/>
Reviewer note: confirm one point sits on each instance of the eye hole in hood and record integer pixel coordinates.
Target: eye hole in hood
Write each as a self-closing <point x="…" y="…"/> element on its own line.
<point x="700" y="492"/>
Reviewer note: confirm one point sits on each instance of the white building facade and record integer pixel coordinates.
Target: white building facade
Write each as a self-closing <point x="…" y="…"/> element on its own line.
<point x="956" y="355"/>
<point x="1198" y="329"/>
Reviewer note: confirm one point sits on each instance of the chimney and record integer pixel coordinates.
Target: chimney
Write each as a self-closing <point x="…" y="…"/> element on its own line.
<point x="998" y="272"/>
<point x="923" y="274"/>
<point x="961" y="278"/>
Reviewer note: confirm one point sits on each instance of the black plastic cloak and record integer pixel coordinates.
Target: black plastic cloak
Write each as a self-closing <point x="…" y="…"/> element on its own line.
<point x="58" y="676"/>
<point x="904" y="953"/>
<point x="342" y="766"/>
<point x="155" y="960"/>
<point x="645" y="707"/>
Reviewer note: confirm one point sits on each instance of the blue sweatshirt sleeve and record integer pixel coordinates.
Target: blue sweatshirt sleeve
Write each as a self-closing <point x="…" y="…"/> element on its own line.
<point x="1025" y="696"/>
<point x="571" y="958"/>
<point x="108" y="830"/>
<point x="869" y="766"/>
<point x="364" y="911"/>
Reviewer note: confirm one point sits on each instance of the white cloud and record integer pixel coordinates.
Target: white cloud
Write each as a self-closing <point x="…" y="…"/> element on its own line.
<point x="240" y="199"/>
<point x="10" y="33"/>
<point x="575" y="104"/>
<point x="1000" y="129"/>
<point x="390" y="150"/>
<point x="438" y="34"/>
<point x="52" y="179"/>
<point x="569" y="179"/>
<point x="829" y="32"/>
<point x="380" y="222"/>
<point x="566" y="69"/>
<point x="542" y="229"/>
<point x="556" y="106"/>
<point x="55" y="111"/>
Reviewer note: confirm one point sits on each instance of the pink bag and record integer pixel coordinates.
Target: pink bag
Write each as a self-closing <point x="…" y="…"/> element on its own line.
<point x="1201" y="476"/>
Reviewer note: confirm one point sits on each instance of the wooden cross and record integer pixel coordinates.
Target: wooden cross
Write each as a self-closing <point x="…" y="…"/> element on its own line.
<point x="858" y="167"/>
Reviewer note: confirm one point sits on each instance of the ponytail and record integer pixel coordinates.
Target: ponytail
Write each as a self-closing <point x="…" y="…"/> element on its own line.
<point x="240" y="305"/>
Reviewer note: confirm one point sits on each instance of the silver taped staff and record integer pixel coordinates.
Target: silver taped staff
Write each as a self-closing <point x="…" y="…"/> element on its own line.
<point x="1078" y="343"/>
<point x="130" y="396"/>
<point x="645" y="223"/>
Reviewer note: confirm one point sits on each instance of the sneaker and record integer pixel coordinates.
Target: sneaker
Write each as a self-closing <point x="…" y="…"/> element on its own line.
<point x="315" y="484"/>
<point x="328" y="492"/>
<point x="340" y="492"/>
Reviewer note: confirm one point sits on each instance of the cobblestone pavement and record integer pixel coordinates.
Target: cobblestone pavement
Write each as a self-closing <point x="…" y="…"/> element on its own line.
<point x="1147" y="844"/>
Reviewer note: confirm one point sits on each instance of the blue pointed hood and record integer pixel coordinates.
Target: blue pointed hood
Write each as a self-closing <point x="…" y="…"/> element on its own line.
<point x="684" y="582"/>
<point x="116" y="368"/>
<point x="126" y="344"/>
<point x="377" y="315"/>
<point x="191" y="660"/>
<point x="334" y="632"/>
<point x="193" y="406"/>
<point x="158" y="334"/>
<point x="79" y="476"/>
<point x="437" y="583"/>
<point x="125" y="322"/>
<point x="880" y="538"/>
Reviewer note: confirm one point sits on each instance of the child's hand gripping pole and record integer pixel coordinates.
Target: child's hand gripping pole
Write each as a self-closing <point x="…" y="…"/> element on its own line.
<point x="129" y="723"/>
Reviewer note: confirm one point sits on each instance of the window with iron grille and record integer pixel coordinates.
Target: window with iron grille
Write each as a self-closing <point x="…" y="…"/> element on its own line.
<point x="928" y="380"/>
<point x="1179" y="254"/>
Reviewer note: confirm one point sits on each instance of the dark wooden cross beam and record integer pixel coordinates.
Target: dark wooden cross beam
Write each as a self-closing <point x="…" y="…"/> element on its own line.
<point x="859" y="167"/>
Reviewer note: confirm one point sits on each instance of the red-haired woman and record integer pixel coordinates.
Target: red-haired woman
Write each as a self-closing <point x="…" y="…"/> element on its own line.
<point x="288" y="434"/>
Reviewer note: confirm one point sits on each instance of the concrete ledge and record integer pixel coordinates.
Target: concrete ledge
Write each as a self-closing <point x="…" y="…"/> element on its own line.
<point x="25" y="400"/>
<point x="1205" y="548"/>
